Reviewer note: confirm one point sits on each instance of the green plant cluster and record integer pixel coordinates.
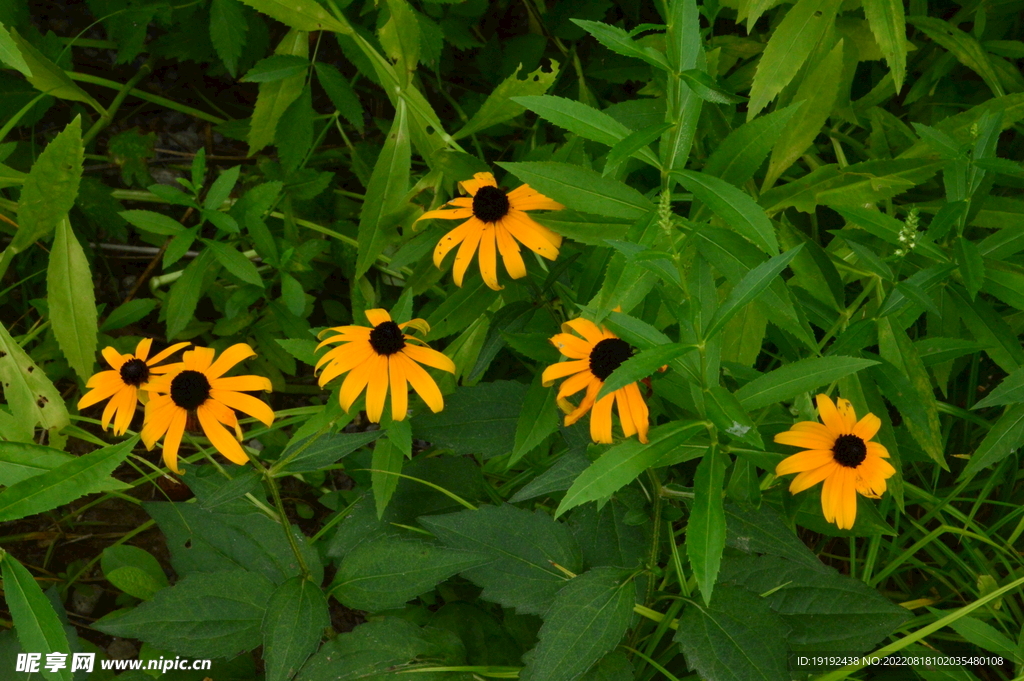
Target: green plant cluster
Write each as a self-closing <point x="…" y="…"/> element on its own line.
<point x="766" y="201"/>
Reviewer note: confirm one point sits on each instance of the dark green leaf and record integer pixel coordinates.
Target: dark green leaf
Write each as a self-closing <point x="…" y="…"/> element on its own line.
<point x="582" y="189"/>
<point x="797" y="377"/>
<point x="292" y="627"/>
<point x="480" y="419"/>
<point x="276" y="67"/>
<point x="705" y="531"/>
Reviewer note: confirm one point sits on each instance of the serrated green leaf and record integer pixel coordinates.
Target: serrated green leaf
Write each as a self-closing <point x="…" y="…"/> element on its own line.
<point x="971" y="264"/>
<point x="743" y="151"/>
<point x="963" y="46"/>
<point x="341" y="94"/>
<point x="65" y="483"/>
<point x="480" y="419"/>
<point x="49" y="78"/>
<point x="734" y="206"/>
<point x="889" y="27"/>
<point x="215" y="614"/>
<point x="302" y="15"/>
<point x="642" y="365"/>
<point x="582" y="189"/>
<point x="587" y="618"/>
<point x="705" y="531"/>
<point x="37" y="625"/>
<point x="705" y="87"/>
<point x="499" y="105"/>
<point x="276" y="96"/>
<point x="10" y="54"/>
<point x="387" y="572"/>
<point x="133" y="570"/>
<point x="295" y="620"/>
<point x="753" y="284"/>
<point x="798" y="377"/>
<point x="69" y="290"/>
<point x="228" y="31"/>
<point x="618" y="41"/>
<point x="128" y="313"/>
<point x="1001" y="441"/>
<point x="20" y="461"/>
<point x="525" y="546"/>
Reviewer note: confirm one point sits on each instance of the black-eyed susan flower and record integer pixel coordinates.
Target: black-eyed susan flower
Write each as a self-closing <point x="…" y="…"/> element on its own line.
<point x="497" y="224"/>
<point x="124" y="381"/>
<point x="840" y="453"/>
<point x="593" y="358"/>
<point x="381" y="356"/>
<point x="198" y="389"/>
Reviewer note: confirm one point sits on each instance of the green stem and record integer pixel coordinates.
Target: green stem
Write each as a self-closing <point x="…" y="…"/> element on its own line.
<point x="285" y="525"/>
<point x="145" y="96"/>
<point x="276" y="468"/>
<point x="108" y="116"/>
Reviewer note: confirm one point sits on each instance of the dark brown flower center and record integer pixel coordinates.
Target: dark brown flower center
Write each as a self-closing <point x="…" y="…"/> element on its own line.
<point x="386" y="338"/>
<point x="849" y="451"/>
<point x="134" y="372"/>
<point x="189" y="389"/>
<point x="607" y="355"/>
<point x="490" y="204"/>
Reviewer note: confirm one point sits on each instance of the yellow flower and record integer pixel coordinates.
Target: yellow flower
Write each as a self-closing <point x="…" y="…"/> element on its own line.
<point x="838" y="452"/>
<point x="198" y="388"/>
<point x="381" y="356"/>
<point x="593" y="360"/>
<point x="123" y="383"/>
<point x="497" y="223"/>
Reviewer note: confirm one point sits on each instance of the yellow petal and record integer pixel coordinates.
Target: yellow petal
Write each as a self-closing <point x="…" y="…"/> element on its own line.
<point x="123" y="418"/>
<point x="625" y="413"/>
<point x="479" y="180"/>
<point x="103" y="387"/>
<point x="810" y="478"/>
<point x="845" y="409"/>
<point x="571" y="346"/>
<point x="347" y="361"/>
<point x="601" y="420"/>
<point x="198" y="359"/>
<point x="422" y="383"/>
<point x="488" y="259"/>
<point x="877" y="449"/>
<point x="446" y="214"/>
<point x="848" y="502"/>
<point x="228" y="359"/>
<point x="465" y="254"/>
<point x="378" y="316"/>
<point x="377" y="388"/>
<point x="219" y="437"/>
<point x="142" y="349"/>
<point x="242" y="383"/>
<point x="585" y="328"/>
<point x="172" y="439"/>
<point x="353" y="385"/>
<point x="114" y="358"/>
<point x="454" y="238"/>
<point x="575" y="383"/>
<point x="247" y="404"/>
<point x="399" y="389"/>
<point x="563" y="369"/>
<point x="804" y="461"/>
<point x="430" y="357"/>
<point x="805" y="440"/>
<point x="510" y="255"/>
<point x="538" y="239"/>
<point x="525" y="197"/>
<point x="830" y="416"/>
<point x="165" y="353"/>
<point x="641" y="414"/>
<point x="585" y="405"/>
<point x="867" y="427"/>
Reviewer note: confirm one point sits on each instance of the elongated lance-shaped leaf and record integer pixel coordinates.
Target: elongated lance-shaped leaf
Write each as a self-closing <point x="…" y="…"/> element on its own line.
<point x="790" y="380"/>
<point x="582" y="189"/>
<point x="302" y="15"/>
<point x="501" y="106"/>
<point x="49" y="78"/>
<point x="72" y="300"/>
<point x="734" y="206"/>
<point x="10" y="54"/>
<point x="887" y="22"/>
<point x="642" y="365"/>
<point x="684" y="105"/>
<point x="750" y="287"/>
<point x="37" y="625"/>
<point x="32" y="398"/>
<point x="276" y="96"/>
<point x="705" y="531"/>
<point x="384" y="193"/>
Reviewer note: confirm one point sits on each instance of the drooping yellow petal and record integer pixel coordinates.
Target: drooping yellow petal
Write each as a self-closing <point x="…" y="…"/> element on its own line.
<point x="247" y="404"/>
<point x="165" y="353"/>
<point x="641" y="414"/>
<point x="625" y="413"/>
<point x="378" y="316"/>
<point x="488" y="258"/>
<point x="465" y="254"/>
<point x="867" y="427"/>
<point x="429" y="357"/>
<point x="601" y="420"/>
<point x="359" y="354"/>
<point x="172" y="439"/>
<point x="219" y="437"/>
<point x="574" y="384"/>
<point x="377" y="388"/>
<point x="114" y="358"/>
<point x="399" y="388"/>
<point x="563" y="369"/>
<point x="571" y="346"/>
<point x="848" y="502"/>
<point x="417" y="324"/>
<point x="585" y="405"/>
<point x="454" y="238"/>
<point x="353" y="384"/>
<point x="830" y="416"/>
<point x="421" y="382"/>
<point x="538" y="239"/>
<point x="225" y="415"/>
<point x="804" y="461"/>
<point x="112" y="406"/>
<point x="510" y="254"/>
<point x="524" y="197"/>
<point x="830" y="494"/>
<point x="242" y="383"/>
<point x="810" y="478"/>
<point x="228" y="359"/>
<point x="104" y="385"/>
<point x="123" y="418"/>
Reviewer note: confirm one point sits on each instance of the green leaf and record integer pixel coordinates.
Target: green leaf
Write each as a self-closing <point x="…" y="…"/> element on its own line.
<point x="705" y="531"/>
<point x="387" y="459"/>
<point x="50" y="188"/>
<point x="1010" y="391"/>
<point x="618" y="41"/>
<point x="705" y="87"/>
<point x="400" y="37"/>
<point x="217" y="614"/>
<point x="480" y="419"/>
<point x="184" y="294"/>
<point x="971" y="264"/>
<point x="302" y="15"/>
<point x="21" y="461"/>
<point x="202" y="540"/>
<point x="887" y="22"/>
<point x="559" y="477"/>
<point x="388" y="572"/>
<point x="818" y="91"/>
<point x="788" y="48"/>
<point x="583" y="227"/>
<point x="752" y="285"/>
<point x="128" y="313"/>
<point x="297" y="615"/>
<point x="989" y="328"/>
<point x="1000" y="442"/>
<point x="221" y="188"/>
<point x="341" y="94"/>
<point x="234" y="262"/>
<point x="582" y="189"/>
<point x="327" y="449"/>
<point x="11" y="55"/>
<point x="49" y="78"/>
<point x="65" y="483"/>
<point x="801" y="376"/>
<point x="275" y="97"/>
<point x="734" y="206"/>
<point x="987" y="637"/>
<point x="963" y="46"/>
<point x="587" y="619"/>
<point x="276" y="67"/>
<point x="69" y="291"/>
<point x="133" y="570"/>
<point x="33" y="399"/>
<point x="826" y="611"/>
<point x="583" y="120"/>
<point x="633" y="143"/>
<point x="888" y="228"/>
<point x="764" y="530"/>
<point x="621" y="464"/>
<point x="537" y="420"/>
<point x="735" y="637"/>
<point x="37" y="625"/>
<point x="946" y="146"/>
<point x="500" y="106"/>
<point x="642" y="365"/>
<point x="384" y="193"/>
<point x="524" y="545"/>
<point x="742" y="152"/>
<point x="228" y="29"/>
<point x="155" y="223"/>
<point x="294" y="137"/>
